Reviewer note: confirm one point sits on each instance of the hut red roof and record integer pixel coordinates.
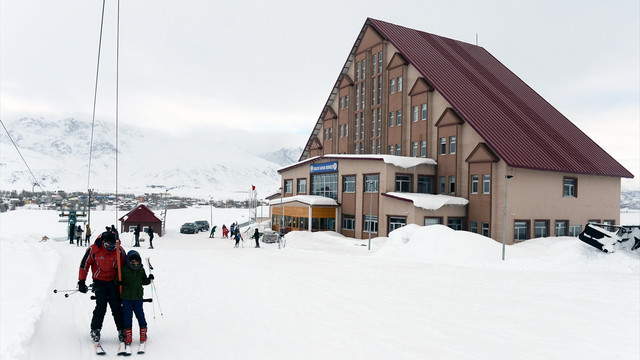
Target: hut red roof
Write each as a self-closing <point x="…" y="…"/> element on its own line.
<point x="140" y="214"/>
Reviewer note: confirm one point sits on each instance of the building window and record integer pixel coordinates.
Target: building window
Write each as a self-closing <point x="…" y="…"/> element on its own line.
<point x="414" y="150"/>
<point x="288" y="186"/>
<point x="379" y="62"/>
<point x="341" y="131"/>
<point x="371" y="183"/>
<point x="341" y="103"/>
<point x="575" y="230"/>
<point x="443" y="146"/>
<point x="326" y="134"/>
<point x="364" y="69"/>
<point x="474" y="227"/>
<point x="362" y="128"/>
<point x="378" y="146"/>
<point x="357" y="124"/>
<point x="486" y="184"/>
<point x="424" y="111"/>
<point x="474" y="184"/>
<point x="452" y="144"/>
<point x="346" y="130"/>
<point x="425" y="185"/>
<point x="415" y="114"/>
<point x="302" y="186"/>
<point x="373" y="90"/>
<point x="392" y="86"/>
<point x="403" y="183"/>
<point x="392" y="118"/>
<point x="485" y="229"/>
<point x="370" y="224"/>
<point x="373" y="146"/>
<point x="357" y="71"/>
<point x="349" y="184"/>
<point x="432" y="221"/>
<point x="325" y="185"/>
<point x="346" y="102"/>
<point x="356" y="147"/>
<point x="520" y="230"/>
<point x="452" y="184"/>
<point x="379" y="121"/>
<point x="348" y="222"/>
<point x="455" y="223"/>
<point x="379" y="89"/>
<point x="398" y="150"/>
<point x="374" y="63"/>
<point x="362" y="94"/>
<point x="399" y="83"/>
<point x="561" y="228"/>
<point x="330" y="133"/>
<point x="423" y="148"/>
<point x="610" y="225"/>
<point x="570" y="187"/>
<point x="399" y="117"/>
<point x="396" y="222"/>
<point x="540" y="228"/>
<point x="391" y="147"/>
<point x="443" y="184"/>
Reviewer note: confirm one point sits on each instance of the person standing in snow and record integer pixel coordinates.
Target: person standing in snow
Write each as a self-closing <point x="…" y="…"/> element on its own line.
<point x="213" y="232"/>
<point x="256" y="235"/>
<point x="102" y="259"/>
<point x="133" y="278"/>
<point x="87" y="234"/>
<point x="136" y="234"/>
<point x="79" y="236"/>
<point x="150" y="232"/>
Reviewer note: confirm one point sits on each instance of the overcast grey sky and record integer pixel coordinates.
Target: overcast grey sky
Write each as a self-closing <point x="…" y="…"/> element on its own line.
<point x="268" y="66"/>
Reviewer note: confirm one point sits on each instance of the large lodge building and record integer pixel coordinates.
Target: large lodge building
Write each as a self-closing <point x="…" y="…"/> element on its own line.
<point x="424" y="129"/>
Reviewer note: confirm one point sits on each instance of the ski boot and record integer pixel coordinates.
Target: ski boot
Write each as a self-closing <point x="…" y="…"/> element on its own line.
<point x="143" y="334"/>
<point x="122" y="336"/>
<point x="95" y="335"/>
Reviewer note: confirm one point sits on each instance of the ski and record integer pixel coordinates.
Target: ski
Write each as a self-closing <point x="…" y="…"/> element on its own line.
<point x="122" y="349"/>
<point x="98" y="348"/>
<point x="142" y="347"/>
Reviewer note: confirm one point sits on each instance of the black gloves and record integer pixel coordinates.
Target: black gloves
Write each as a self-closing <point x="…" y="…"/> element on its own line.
<point x="82" y="287"/>
<point x="117" y="282"/>
<point x="151" y="277"/>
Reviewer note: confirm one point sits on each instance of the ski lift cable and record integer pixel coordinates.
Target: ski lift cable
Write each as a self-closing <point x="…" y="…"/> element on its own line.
<point x="117" y="100"/>
<point x="95" y="97"/>
<point x="22" y="157"/>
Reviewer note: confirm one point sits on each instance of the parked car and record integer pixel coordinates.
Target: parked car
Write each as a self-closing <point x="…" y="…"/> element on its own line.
<point x="188" y="228"/>
<point x="202" y="225"/>
<point x="270" y="237"/>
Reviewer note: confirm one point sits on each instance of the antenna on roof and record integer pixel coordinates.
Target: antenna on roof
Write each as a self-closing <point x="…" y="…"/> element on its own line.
<point x="476" y="39"/>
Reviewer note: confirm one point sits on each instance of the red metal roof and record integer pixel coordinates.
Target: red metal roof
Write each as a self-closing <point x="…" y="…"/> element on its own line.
<point x="517" y="123"/>
<point x="141" y="214"/>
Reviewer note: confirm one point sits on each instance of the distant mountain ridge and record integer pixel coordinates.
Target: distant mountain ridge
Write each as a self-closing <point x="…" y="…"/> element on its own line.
<point x="193" y="164"/>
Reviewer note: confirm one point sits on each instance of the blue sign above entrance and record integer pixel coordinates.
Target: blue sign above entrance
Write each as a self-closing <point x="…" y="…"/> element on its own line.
<point x="324" y="167"/>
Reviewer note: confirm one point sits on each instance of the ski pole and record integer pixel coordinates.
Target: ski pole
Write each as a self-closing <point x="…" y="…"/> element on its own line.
<point x="68" y="292"/>
<point x="154" y="290"/>
<point x="93" y="297"/>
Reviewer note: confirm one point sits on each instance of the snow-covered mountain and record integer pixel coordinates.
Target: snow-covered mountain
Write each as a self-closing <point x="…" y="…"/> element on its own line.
<point x="202" y="163"/>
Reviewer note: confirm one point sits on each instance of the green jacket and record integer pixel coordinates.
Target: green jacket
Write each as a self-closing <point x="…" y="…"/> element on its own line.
<point x="132" y="281"/>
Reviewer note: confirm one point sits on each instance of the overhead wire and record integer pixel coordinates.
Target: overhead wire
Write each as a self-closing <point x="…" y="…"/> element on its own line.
<point x="36" y="182"/>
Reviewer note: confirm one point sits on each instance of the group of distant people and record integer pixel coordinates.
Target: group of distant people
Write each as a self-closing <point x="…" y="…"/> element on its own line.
<point x="234" y="232"/>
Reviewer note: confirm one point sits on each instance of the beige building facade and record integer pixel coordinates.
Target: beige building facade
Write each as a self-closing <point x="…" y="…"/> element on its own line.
<point x="426" y="119"/>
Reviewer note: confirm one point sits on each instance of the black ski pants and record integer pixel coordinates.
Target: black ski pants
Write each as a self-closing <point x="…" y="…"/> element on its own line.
<point x="107" y="293"/>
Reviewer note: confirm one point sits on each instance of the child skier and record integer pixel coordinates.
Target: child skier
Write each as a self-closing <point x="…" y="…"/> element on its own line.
<point x="133" y="277"/>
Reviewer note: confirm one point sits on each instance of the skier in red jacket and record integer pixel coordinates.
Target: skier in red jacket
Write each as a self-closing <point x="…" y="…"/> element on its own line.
<point x="101" y="258"/>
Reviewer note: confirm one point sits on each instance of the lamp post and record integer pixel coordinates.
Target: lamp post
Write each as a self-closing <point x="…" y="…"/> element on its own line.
<point x="504" y="224"/>
<point x="281" y="212"/>
<point x="369" y="185"/>
<point x="211" y="206"/>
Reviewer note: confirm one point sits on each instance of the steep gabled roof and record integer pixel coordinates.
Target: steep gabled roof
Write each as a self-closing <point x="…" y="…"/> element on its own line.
<point x="516" y="122"/>
<point x="142" y="214"/>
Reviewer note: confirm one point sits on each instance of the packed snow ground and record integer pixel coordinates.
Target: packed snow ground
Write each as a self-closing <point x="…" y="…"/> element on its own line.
<point x="422" y="293"/>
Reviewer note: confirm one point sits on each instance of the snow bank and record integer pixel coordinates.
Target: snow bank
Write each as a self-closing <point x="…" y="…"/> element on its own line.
<point x="438" y="244"/>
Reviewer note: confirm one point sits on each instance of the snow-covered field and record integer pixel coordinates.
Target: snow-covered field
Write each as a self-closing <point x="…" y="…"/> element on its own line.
<point x="422" y="293"/>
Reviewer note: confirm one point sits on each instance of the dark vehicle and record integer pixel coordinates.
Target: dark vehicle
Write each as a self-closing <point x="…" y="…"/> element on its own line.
<point x="202" y="225"/>
<point x="270" y="237"/>
<point x="189" y="228"/>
